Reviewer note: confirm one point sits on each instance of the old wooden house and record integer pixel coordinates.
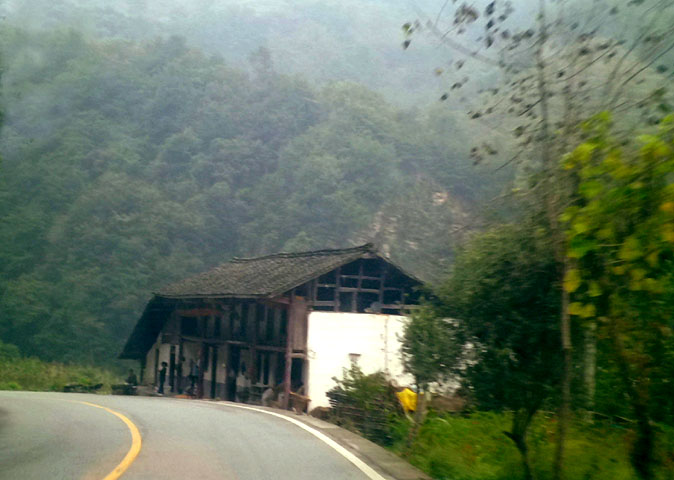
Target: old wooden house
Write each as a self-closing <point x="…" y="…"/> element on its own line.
<point x="290" y="318"/>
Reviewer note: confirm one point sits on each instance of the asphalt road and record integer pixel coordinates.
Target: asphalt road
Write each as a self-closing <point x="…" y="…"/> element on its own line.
<point x="54" y="436"/>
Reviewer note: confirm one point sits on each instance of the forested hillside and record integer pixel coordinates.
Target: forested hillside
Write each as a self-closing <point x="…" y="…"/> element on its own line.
<point x="129" y="164"/>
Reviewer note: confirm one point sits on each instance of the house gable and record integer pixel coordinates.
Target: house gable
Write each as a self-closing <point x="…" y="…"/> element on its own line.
<point x="346" y="280"/>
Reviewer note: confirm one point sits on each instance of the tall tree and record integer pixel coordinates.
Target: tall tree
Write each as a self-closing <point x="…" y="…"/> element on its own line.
<point x="502" y="290"/>
<point x="621" y="234"/>
<point x="430" y="353"/>
<point x="567" y="63"/>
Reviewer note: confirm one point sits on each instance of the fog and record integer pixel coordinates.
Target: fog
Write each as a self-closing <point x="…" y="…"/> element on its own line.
<point x="515" y="156"/>
<point x="147" y="140"/>
<point x="322" y="41"/>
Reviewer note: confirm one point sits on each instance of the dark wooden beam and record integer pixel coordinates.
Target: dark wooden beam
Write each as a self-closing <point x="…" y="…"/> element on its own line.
<point x="324" y="303"/>
<point x="252" y="313"/>
<point x="337" y="289"/>
<point x="288" y="354"/>
<point x="355" y="289"/>
<point x="212" y="341"/>
<point x="277" y="301"/>
<point x="381" y="288"/>
<point x="198" y="312"/>
<point x="271" y="348"/>
<point x="364" y="277"/>
<point x="354" y="297"/>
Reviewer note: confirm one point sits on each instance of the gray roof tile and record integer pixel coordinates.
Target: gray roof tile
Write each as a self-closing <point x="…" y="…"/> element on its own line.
<point x="263" y="276"/>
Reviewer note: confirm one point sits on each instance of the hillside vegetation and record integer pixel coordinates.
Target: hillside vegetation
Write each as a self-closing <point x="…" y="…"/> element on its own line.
<point x="17" y="373"/>
<point x="129" y="165"/>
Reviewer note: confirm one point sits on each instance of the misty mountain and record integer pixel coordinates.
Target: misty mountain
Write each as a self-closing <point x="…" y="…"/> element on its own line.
<point x="323" y="41"/>
<point x="129" y="164"/>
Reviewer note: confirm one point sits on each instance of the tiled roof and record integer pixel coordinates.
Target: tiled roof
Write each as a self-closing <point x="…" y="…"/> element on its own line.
<point x="263" y="276"/>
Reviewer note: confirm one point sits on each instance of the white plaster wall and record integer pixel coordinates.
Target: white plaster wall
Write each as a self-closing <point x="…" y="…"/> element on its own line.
<point x="333" y="336"/>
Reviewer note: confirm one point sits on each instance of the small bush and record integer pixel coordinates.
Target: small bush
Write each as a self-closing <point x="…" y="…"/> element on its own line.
<point x="366" y="404"/>
<point x="7" y="351"/>
<point x="10" y="386"/>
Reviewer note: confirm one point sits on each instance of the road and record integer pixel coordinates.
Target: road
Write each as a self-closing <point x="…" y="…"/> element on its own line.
<point x="56" y="436"/>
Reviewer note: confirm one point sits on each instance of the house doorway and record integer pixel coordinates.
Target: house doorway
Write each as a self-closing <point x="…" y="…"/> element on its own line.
<point x="156" y="365"/>
<point x="214" y="371"/>
<point x="233" y="362"/>
<point x="297" y="376"/>
<point x="172" y="368"/>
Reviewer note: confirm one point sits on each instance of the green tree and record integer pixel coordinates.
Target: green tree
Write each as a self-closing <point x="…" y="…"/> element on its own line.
<point x="503" y="293"/>
<point x="621" y="236"/>
<point x="569" y="62"/>
<point x="430" y="353"/>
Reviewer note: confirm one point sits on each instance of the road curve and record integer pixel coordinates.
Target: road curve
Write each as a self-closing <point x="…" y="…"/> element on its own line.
<point x="53" y="435"/>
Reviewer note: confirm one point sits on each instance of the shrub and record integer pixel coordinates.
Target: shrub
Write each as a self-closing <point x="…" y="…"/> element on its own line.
<point x="7" y="351"/>
<point x="366" y="404"/>
<point x="9" y="386"/>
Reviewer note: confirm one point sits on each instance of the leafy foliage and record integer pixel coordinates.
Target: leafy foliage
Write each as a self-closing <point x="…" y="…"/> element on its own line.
<point x="503" y="294"/>
<point x="366" y="404"/>
<point x="502" y="290"/>
<point x="620" y="233"/>
<point x="429" y="351"/>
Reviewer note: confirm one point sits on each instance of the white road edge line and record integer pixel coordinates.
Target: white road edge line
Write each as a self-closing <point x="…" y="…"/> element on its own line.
<point x="362" y="466"/>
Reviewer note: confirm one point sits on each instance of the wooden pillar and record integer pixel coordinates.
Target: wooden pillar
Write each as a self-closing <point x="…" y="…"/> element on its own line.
<point x="287" y="374"/>
<point x="253" y="372"/>
<point x="181" y="365"/>
<point x="354" y="297"/>
<point x="202" y="365"/>
<point x="382" y="281"/>
<point x="338" y="282"/>
<point x="142" y="370"/>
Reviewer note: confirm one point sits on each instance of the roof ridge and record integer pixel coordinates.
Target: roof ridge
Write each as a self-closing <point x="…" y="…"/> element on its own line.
<point x="367" y="247"/>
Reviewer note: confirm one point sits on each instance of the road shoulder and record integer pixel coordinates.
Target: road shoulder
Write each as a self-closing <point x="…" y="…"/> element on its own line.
<point x="384" y="462"/>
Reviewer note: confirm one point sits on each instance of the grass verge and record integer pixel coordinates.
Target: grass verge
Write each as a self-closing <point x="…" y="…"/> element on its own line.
<point x="475" y="448"/>
<point x="36" y="375"/>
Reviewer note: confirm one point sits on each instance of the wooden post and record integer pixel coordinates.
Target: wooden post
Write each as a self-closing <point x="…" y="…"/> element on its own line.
<point x="202" y="365"/>
<point x="354" y="298"/>
<point x="142" y="370"/>
<point x="382" y="282"/>
<point x="254" y="367"/>
<point x="181" y="365"/>
<point x="338" y="274"/>
<point x="289" y="354"/>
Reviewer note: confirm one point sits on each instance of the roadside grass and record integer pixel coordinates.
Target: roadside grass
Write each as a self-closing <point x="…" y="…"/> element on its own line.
<point x="33" y="374"/>
<point x="474" y="448"/>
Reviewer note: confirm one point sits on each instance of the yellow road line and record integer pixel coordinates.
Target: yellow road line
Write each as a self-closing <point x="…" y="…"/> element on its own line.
<point x="135" y="444"/>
